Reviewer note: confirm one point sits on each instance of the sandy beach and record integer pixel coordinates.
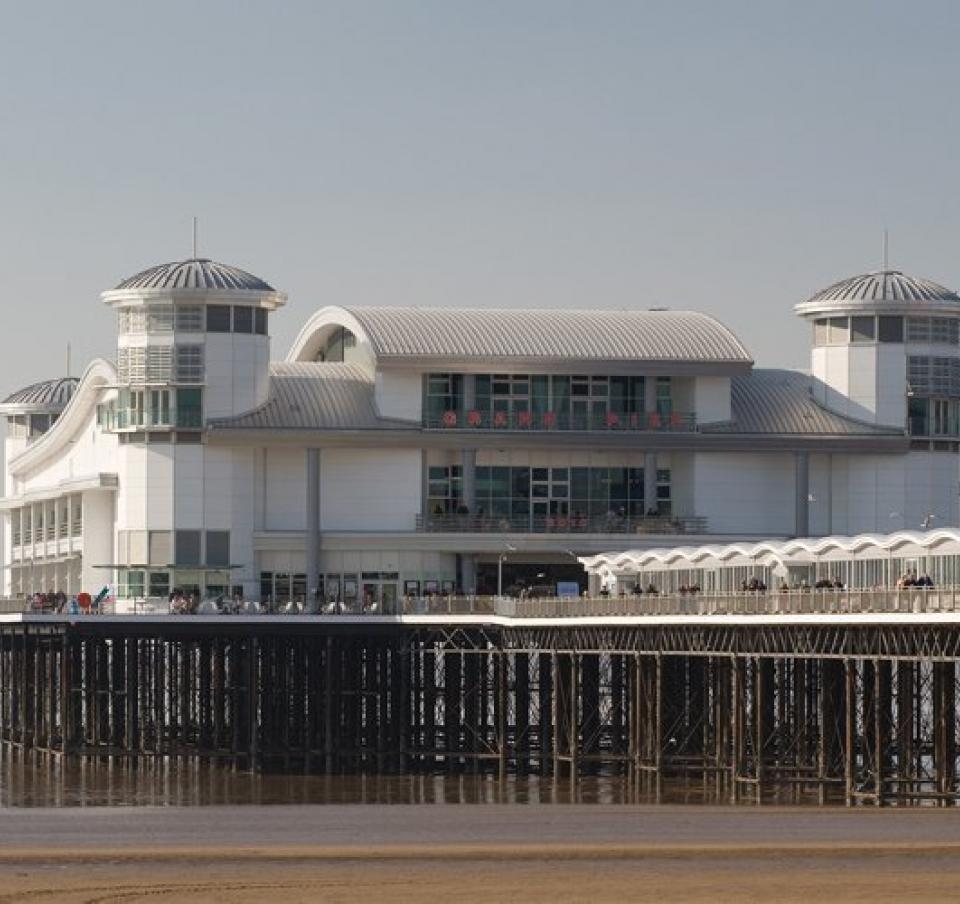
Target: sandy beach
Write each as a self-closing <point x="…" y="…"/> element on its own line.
<point x="459" y="853"/>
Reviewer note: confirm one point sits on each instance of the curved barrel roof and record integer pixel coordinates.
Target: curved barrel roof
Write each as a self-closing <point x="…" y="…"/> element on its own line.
<point x="557" y="334"/>
<point x="46" y="396"/>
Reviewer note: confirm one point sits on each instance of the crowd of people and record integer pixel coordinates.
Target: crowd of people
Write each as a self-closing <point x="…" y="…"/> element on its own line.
<point x="57" y="602"/>
<point x="912" y="579"/>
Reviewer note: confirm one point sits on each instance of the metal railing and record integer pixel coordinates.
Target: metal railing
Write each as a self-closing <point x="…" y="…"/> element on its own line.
<point x="793" y="602"/>
<point x="561" y="524"/>
<point x="741" y="603"/>
<point x="610" y="422"/>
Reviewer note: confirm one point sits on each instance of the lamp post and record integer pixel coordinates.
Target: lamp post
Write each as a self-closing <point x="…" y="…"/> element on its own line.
<point x="500" y="559"/>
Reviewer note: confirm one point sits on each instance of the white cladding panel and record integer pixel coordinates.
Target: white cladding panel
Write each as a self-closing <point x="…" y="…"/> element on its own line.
<point x="188" y="489"/>
<point x="711" y="401"/>
<point x="884" y="493"/>
<point x="891" y="385"/>
<point x="818" y="364"/>
<point x="862" y="383"/>
<point x="98" y="548"/>
<point x="87" y="453"/>
<point x="399" y="394"/>
<point x="745" y="493"/>
<point x="218" y="486"/>
<point x="159" y="489"/>
<point x="132" y="478"/>
<point x="837" y="377"/>
<point x="285" y="485"/>
<point x="236" y="367"/>
<point x="369" y="489"/>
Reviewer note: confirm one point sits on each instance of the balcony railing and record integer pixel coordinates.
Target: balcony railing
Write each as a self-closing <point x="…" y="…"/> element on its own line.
<point x="560" y="524"/>
<point x="610" y="422"/>
<point x="696" y="605"/>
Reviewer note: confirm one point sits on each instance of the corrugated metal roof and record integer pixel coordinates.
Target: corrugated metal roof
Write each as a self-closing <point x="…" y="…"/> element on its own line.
<point x="308" y="396"/>
<point x="197" y="273"/>
<point x="885" y="285"/>
<point x="780" y="402"/>
<point x="576" y="335"/>
<point x="48" y="395"/>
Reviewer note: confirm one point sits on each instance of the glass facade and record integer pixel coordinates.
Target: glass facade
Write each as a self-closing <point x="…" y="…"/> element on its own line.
<point x="547" y="498"/>
<point x="552" y="402"/>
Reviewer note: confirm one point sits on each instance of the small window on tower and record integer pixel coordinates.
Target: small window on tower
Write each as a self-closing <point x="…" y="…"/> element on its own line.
<point x="218" y="318"/>
<point x="839" y="330"/>
<point x="862" y="329"/>
<point x="242" y="320"/>
<point x="890" y="329"/>
<point x="820" y="332"/>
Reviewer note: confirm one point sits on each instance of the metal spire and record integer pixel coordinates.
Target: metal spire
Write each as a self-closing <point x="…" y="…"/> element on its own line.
<point x="886" y="250"/>
<point x="195" y="238"/>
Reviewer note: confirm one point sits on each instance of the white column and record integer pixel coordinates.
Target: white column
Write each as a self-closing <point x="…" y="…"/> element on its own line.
<point x="313" y="528"/>
<point x="649" y="481"/>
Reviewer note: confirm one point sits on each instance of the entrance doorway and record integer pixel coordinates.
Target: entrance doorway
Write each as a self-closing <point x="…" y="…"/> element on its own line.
<point x="379" y="592"/>
<point x="532" y="577"/>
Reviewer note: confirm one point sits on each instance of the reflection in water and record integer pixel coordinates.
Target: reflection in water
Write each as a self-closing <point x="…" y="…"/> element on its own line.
<point x="33" y="780"/>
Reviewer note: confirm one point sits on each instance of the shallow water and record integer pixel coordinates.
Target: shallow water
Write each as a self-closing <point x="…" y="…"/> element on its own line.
<point x="37" y="781"/>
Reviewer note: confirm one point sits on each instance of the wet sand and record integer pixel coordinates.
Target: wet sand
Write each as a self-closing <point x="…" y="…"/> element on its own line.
<point x="469" y="853"/>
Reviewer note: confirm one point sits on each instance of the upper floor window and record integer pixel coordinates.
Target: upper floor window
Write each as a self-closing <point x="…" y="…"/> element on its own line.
<point x="933" y="330"/>
<point x="863" y="329"/>
<point x="242" y="320"/>
<point x="890" y="329"/>
<point x="338" y="344"/>
<point x="218" y="318"/>
<point x="188" y="318"/>
<point x="189" y="363"/>
<point x="159" y="364"/>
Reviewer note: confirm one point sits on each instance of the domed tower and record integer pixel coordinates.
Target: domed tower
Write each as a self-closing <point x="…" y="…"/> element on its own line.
<point x="31" y="411"/>
<point x="192" y="344"/>
<point x="886" y="350"/>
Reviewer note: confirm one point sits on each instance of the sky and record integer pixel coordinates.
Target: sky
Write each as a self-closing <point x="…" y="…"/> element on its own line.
<point x="730" y="157"/>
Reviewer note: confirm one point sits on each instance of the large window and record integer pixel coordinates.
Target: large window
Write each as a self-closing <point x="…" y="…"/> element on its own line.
<point x="341" y="340"/>
<point x="541" y="401"/>
<point x="189" y="407"/>
<point x="187" y="547"/>
<point x="218" y="547"/>
<point x="444" y="395"/>
<point x="445" y="490"/>
<point x="584" y="498"/>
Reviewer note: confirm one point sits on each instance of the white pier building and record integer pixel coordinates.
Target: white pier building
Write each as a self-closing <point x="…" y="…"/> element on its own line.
<point x="406" y="451"/>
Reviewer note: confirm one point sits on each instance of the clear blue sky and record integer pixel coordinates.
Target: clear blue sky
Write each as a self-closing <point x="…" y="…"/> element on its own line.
<point x="727" y="156"/>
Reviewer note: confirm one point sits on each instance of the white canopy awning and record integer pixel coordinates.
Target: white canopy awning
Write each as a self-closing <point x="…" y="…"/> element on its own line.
<point x="801" y="551"/>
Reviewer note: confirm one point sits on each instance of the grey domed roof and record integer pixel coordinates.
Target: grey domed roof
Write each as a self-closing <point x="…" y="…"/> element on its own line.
<point x="49" y="395"/>
<point x="197" y="273"/>
<point x="885" y="285"/>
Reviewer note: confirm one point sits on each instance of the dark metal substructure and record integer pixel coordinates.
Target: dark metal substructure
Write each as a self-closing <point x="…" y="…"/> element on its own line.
<point x="854" y="714"/>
